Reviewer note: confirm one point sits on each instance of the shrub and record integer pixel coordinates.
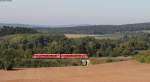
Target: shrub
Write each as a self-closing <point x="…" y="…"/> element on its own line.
<point x="9" y="58"/>
<point x="109" y="60"/>
<point x="1" y="65"/>
<point x="143" y="57"/>
<point x="35" y="63"/>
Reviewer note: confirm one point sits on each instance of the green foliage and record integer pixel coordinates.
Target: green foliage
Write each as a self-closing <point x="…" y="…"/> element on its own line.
<point x="48" y="63"/>
<point x="22" y="46"/>
<point x="9" y="58"/>
<point x="143" y="57"/>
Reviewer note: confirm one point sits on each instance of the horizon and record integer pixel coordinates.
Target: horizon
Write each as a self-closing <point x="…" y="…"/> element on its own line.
<point x="61" y="26"/>
<point x="85" y="12"/>
<point x="53" y="26"/>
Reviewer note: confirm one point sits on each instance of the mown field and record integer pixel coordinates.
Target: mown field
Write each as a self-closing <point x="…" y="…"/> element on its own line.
<point x="104" y="36"/>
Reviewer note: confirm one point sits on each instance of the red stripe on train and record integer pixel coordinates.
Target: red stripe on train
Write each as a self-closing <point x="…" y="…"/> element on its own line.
<point x="74" y="56"/>
<point x="67" y="56"/>
<point x="46" y="56"/>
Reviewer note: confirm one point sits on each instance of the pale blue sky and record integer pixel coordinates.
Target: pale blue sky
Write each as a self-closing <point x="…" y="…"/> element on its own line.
<point x="68" y="12"/>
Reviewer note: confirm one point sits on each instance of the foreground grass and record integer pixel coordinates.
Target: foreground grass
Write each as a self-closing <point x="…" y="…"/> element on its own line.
<point x="101" y="60"/>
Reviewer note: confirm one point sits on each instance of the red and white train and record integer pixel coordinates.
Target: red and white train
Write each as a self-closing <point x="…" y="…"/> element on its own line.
<point x="59" y="56"/>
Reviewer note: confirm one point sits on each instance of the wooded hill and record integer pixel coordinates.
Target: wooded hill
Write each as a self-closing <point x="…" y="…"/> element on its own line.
<point x="97" y="29"/>
<point x="7" y="30"/>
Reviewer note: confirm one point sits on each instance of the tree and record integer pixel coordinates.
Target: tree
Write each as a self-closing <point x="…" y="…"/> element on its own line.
<point x="9" y="58"/>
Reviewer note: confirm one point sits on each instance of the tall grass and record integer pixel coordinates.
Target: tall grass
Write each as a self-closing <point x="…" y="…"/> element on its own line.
<point x="143" y="57"/>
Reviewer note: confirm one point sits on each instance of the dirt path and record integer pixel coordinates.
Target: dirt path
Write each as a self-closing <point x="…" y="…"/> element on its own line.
<point x="126" y="71"/>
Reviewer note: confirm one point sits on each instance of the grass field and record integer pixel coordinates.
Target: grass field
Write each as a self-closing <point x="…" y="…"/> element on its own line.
<point x="105" y="36"/>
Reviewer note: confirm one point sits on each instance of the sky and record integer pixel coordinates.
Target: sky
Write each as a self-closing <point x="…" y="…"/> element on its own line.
<point x="74" y="12"/>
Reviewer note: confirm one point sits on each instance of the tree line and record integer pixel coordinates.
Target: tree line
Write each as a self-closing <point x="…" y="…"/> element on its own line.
<point x="8" y="30"/>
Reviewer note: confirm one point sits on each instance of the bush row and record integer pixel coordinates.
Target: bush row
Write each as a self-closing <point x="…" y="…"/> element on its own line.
<point x="36" y="63"/>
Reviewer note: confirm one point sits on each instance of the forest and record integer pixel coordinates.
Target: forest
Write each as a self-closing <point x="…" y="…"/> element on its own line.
<point x="18" y="44"/>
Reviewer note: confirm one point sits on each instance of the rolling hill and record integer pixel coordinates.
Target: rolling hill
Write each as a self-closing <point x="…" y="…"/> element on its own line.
<point x="97" y="29"/>
<point x="86" y="29"/>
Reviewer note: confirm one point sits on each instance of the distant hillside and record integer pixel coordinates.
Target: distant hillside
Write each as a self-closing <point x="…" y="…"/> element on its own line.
<point x="15" y="25"/>
<point x="97" y="29"/>
<point x="86" y="29"/>
<point x="7" y="30"/>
